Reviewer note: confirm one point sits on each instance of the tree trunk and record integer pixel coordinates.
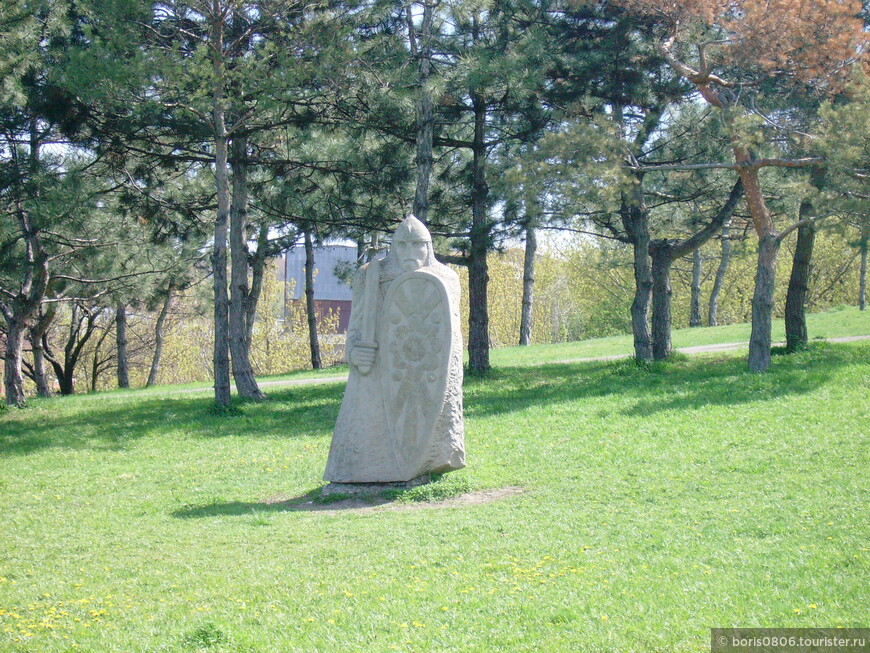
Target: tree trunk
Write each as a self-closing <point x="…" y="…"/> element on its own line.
<point x="862" y="281"/>
<point x="258" y="270"/>
<point x="719" y="281"/>
<point x="121" y="342"/>
<point x="661" y="299"/>
<point x="42" y="387"/>
<point x="66" y="383"/>
<point x="95" y="361"/>
<point x="635" y="223"/>
<point x="695" y="310"/>
<point x="640" y="304"/>
<point x="765" y="276"/>
<point x="83" y="323"/>
<point x="34" y="285"/>
<point x="13" y="378"/>
<point x="762" y="304"/>
<point x="95" y="370"/>
<point x="310" y="307"/>
<point x="243" y="373"/>
<point x="528" y="285"/>
<point x="425" y="116"/>
<point x="158" y="338"/>
<point x="43" y="323"/>
<point x="62" y="370"/>
<point x="796" y="335"/>
<point x="221" y="358"/>
<point x="478" y="269"/>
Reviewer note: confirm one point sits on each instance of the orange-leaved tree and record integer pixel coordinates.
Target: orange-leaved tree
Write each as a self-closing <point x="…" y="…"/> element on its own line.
<point x="726" y="48"/>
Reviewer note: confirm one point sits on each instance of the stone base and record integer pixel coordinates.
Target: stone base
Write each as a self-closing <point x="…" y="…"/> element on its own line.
<point x="371" y="488"/>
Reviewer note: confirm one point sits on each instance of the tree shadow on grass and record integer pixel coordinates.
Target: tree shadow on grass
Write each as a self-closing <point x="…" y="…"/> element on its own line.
<point x="300" y="411"/>
<point x="678" y="385"/>
<point x="310" y="410"/>
<point x="309" y="502"/>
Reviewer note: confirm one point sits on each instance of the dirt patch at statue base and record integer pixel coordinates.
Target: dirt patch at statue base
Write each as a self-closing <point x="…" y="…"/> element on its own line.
<point x="373" y="503"/>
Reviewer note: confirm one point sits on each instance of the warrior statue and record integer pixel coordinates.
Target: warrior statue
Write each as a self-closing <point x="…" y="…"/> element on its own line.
<point x="401" y="416"/>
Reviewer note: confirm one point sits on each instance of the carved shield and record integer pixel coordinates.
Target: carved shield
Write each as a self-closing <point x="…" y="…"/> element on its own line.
<point x="415" y="344"/>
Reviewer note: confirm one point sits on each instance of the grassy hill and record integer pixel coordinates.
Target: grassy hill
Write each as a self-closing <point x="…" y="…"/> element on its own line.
<point x="639" y="508"/>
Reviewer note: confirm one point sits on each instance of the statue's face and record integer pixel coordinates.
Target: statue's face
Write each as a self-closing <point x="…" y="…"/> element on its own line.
<point x="412" y="254"/>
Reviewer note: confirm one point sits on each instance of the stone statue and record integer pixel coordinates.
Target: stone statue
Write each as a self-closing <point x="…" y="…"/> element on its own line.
<point x="401" y="416"/>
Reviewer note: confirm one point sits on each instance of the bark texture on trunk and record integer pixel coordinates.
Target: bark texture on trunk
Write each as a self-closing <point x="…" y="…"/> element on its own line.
<point x="636" y="225"/>
<point x="243" y="372"/>
<point x="796" y="335"/>
<point x="221" y="356"/>
<point x="765" y="275"/>
<point x="258" y="271"/>
<point x="421" y="49"/>
<point x="43" y="389"/>
<point x="719" y="281"/>
<point x="695" y="305"/>
<point x="862" y="280"/>
<point x="528" y="285"/>
<point x="762" y="304"/>
<point x="310" y="307"/>
<point x="19" y="311"/>
<point x="641" y="302"/>
<point x="121" y="344"/>
<point x="158" y="338"/>
<point x="660" y="252"/>
<point x="14" y="379"/>
<point x="66" y="383"/>
<point x="478" y="269"/>
<point x="37" y="332"/>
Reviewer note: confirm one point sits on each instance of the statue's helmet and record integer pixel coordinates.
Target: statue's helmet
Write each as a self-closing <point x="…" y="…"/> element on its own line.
<point x="412" y="230"/>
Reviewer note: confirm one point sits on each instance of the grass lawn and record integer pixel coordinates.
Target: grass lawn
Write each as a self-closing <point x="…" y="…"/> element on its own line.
<point x="656" y="503"/>
<point x="846" y="321"/>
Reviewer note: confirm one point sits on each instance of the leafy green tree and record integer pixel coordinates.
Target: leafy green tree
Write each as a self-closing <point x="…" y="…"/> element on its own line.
<point x="848" y="152"/>
<point x="47" y="197"/>
<point x="734" y="44"/>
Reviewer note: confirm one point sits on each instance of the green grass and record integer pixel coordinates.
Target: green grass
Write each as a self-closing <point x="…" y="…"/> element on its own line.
<point x="845" y="321"/>
<point x="200" y="387"/>
<point x="658" y="502"/>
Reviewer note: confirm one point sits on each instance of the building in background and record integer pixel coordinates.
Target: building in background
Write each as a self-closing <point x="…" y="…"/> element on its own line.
<point x="331" y="292"/>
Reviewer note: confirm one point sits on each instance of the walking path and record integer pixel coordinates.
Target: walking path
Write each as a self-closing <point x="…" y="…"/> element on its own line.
<point x="698" y="349"/>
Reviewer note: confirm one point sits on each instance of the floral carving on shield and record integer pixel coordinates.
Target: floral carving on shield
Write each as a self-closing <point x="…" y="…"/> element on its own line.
<point x="417" y="351"/>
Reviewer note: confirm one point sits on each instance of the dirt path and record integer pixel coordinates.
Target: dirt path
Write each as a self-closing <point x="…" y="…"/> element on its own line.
<point x="699" y="349"/>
